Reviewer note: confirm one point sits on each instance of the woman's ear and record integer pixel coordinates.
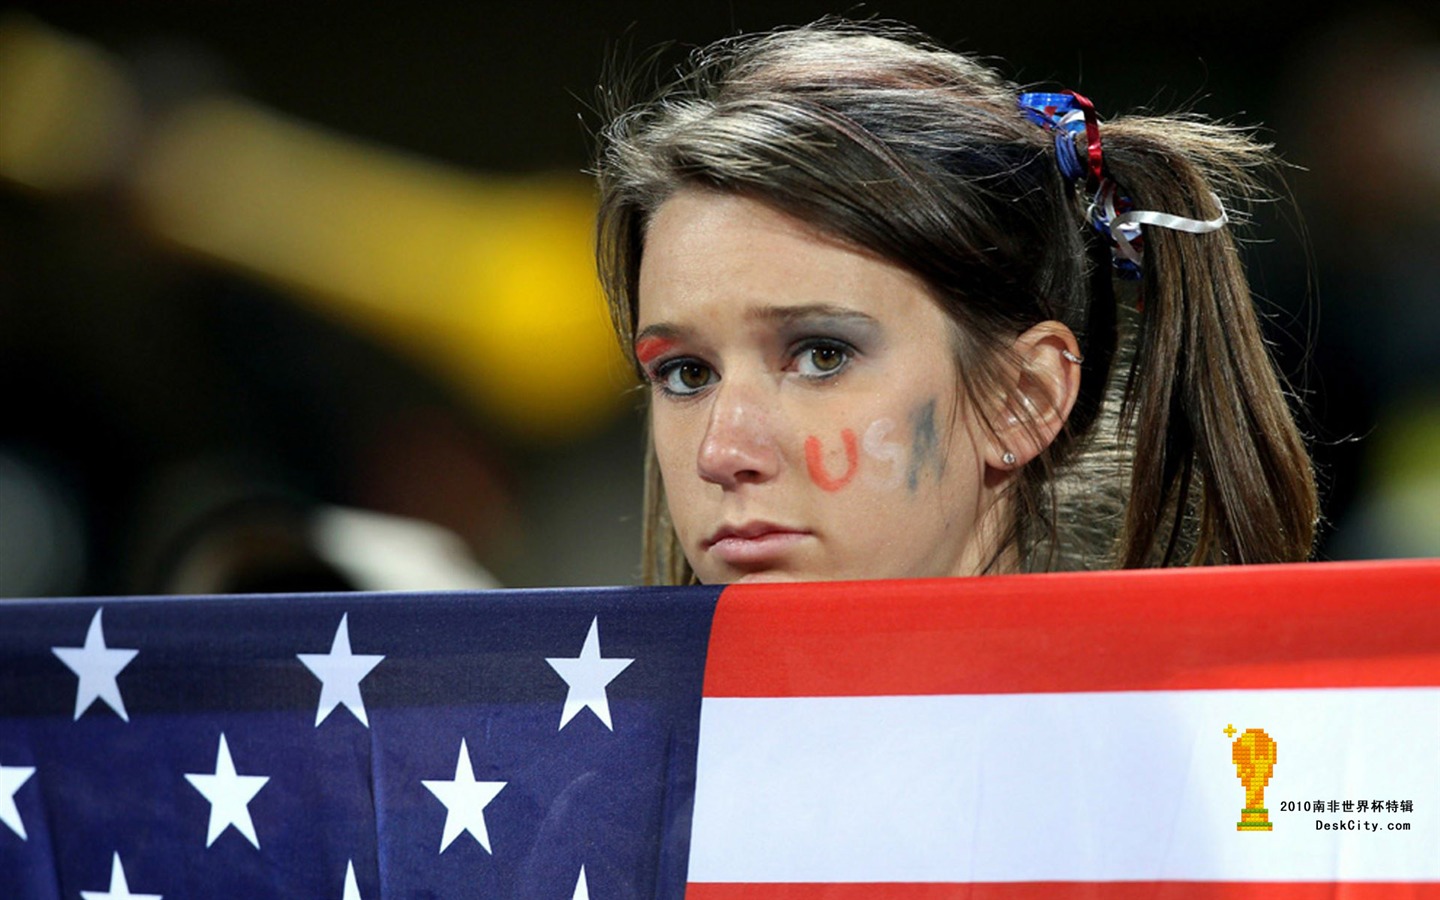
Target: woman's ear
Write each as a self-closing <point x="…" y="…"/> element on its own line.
<point x="1040" y="393"/>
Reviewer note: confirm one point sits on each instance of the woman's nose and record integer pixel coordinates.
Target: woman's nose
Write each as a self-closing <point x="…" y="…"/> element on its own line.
<point x="738" y="446"/>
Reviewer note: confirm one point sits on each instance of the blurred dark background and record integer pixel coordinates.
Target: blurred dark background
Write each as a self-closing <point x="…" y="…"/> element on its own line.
<point x="300" y="295"/>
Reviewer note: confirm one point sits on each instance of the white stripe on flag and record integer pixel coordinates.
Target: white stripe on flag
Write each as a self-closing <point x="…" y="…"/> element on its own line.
<point x="1061" y="787"/>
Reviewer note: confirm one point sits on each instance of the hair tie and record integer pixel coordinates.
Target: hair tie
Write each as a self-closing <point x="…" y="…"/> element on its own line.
<point x="1110" y="213"/>
<point x="1069" y="114"/>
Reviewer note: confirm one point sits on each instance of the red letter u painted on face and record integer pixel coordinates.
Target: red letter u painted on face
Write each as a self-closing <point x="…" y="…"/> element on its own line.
<point x="815" y="462"/>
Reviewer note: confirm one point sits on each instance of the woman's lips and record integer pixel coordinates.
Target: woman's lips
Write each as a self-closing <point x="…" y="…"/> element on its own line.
<point x="754" y="543"/>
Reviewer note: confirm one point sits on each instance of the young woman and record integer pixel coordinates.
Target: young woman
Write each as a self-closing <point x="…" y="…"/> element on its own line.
<point x="899" y="319"/>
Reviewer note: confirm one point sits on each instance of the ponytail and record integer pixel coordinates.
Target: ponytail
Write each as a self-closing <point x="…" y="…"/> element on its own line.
<point x="1203" y="409"/>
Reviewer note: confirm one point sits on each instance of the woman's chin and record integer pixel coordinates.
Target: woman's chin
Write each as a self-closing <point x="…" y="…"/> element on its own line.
<point x="766" y="576"/>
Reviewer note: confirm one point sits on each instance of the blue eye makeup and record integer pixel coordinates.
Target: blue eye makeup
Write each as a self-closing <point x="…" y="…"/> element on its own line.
<point x="821" y="357"/>
<point x="814" y="342"/>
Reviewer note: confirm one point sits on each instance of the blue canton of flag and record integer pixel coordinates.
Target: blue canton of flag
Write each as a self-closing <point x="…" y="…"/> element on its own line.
<point x="513" y="744"/>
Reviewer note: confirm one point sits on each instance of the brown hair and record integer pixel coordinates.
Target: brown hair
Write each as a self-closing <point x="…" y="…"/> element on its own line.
<point x="922" y="156"/>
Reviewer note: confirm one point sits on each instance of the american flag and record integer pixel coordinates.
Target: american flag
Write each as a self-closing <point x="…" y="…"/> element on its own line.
<point x="1006" y="737"/>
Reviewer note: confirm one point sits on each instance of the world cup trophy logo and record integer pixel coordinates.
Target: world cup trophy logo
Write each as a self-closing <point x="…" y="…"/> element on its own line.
<point x="1254" y="758"/>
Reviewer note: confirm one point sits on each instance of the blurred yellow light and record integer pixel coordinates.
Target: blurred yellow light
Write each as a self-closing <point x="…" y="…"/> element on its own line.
<point x="489" y="281"/>
<point x="67" y="113"/>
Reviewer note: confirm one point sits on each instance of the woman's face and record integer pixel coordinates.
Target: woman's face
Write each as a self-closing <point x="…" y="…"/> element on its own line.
<point x="806" y="408"/>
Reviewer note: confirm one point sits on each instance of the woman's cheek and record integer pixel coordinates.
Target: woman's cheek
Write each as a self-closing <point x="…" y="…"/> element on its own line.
<point x="877" y="457"/>
<point x="890" y="462"/>
<point x="885" y="457"/>
<point x="819" y="468"/>
<point x="925" y="452"/>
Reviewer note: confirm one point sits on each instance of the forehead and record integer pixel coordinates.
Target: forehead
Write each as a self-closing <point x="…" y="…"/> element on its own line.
<point x="707" y="253"/>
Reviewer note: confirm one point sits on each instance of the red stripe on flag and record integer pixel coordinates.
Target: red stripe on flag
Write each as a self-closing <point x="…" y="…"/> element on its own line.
<point x="1075" y="890"/>
<point x="1252" y="627"/>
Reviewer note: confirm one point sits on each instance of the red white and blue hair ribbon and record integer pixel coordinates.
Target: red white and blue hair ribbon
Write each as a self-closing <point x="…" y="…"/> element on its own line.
<point x="1111" y="213"/>
<point x="1069" y="114"/>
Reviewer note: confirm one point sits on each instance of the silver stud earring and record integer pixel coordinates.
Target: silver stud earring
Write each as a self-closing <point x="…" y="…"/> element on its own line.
<point x="1008" y="459"/>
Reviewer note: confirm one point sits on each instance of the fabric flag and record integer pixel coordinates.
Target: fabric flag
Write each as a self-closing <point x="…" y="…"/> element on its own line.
<point x="1076" y="736"/>
<point x="446" y="745"/>
<point x="1224" y="733"/>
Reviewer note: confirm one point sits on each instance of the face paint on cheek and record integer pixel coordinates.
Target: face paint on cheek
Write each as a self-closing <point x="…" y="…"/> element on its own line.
<point x="891" y="454"/>
<point x="925" y="449"/>
<point x="815" y="462"/>
<point x="647" y="349"/>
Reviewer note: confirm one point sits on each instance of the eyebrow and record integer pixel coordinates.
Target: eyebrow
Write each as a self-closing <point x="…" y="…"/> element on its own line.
<point x="659" y="330"/>
<point x="782" y="315"/>
<point x="787" y="314"/>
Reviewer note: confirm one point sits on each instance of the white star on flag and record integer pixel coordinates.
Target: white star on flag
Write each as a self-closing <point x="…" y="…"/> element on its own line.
<point x="229" y="795"/>
<point x="340" y="673"/>
<point x="97" y="666"/>
<point x="352" y="887"/>
<point x="465" y="800"/>
<point x="587" y="675"/>
<point x="11" y="778"/>
<point x="119" y="887"/>
<point x="582" y="890"/>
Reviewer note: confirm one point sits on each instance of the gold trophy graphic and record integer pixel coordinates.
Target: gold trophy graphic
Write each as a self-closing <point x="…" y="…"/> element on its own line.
<point x="1254" y="758"/>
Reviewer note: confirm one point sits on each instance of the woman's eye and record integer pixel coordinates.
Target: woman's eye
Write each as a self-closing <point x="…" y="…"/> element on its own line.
<point x="685" y="376"/>
<point x="821" y="359"/>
